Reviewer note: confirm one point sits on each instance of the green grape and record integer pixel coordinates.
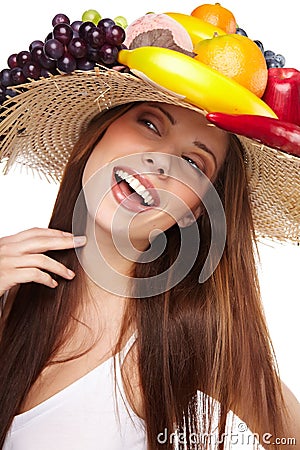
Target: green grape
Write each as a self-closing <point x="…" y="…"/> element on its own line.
<point x="91" y="15"/>
<point x="121" y="21"/>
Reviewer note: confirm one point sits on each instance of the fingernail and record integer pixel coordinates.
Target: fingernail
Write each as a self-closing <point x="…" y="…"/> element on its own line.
<point x="70" y="273"/>
<point x="79" y="240"/>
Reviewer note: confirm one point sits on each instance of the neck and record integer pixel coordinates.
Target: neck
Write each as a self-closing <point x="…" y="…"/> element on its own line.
<point x="108" y="260"/>
<point x="107" y="276"/>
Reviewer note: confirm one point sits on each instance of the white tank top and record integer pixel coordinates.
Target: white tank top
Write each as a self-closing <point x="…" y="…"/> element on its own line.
<point x="90" y="414"/>
<point x="93" y="414"/>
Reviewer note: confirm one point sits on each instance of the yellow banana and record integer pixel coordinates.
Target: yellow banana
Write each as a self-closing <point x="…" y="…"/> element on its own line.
<point x="197" y="28"/>
<point x="199" y="84"/>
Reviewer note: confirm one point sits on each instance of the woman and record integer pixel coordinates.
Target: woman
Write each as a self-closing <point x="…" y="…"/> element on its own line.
<point x="129" y="349"/>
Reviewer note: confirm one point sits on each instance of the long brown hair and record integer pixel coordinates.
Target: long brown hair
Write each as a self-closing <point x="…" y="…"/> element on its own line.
<point x="210" y="337"/>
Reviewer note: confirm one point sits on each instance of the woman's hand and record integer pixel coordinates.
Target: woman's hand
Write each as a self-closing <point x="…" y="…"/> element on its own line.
<point x="22" y="261"/>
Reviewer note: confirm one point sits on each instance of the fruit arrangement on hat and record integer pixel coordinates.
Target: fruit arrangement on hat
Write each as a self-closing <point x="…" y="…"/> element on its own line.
<point x="210" y="35"/>
<point x="203" y="61"/>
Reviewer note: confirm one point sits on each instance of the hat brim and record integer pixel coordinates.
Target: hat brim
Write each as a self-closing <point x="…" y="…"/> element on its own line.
<point x="40" y="126"/>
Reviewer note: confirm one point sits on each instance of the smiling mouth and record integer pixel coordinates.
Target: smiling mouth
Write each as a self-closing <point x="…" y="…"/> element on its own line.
<point x="133" y="190"/>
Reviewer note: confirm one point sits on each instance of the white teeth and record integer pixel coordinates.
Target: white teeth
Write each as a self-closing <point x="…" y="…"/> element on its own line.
<point x="136" y="185"/>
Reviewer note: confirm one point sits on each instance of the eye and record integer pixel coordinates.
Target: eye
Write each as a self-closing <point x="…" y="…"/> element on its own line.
<point x="150" y="125"/>
<point x="193" y="163"/>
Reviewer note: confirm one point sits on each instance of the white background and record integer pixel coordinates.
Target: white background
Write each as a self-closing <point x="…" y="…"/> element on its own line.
<point x="27" y="201"/>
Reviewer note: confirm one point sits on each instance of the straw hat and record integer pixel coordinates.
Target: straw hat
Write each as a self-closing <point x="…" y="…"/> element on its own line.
<point x="40" y="125"/>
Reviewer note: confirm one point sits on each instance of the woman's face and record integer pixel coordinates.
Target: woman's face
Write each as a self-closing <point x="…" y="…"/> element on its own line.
<point x="147" y="170"/>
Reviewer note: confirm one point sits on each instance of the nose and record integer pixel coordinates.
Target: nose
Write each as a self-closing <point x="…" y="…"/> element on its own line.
<point x="158" y="163"/>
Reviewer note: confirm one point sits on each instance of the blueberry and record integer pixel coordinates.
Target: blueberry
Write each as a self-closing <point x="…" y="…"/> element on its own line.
<point x="269" y="54"/>
<point x="272" y="63"/>
<point x="280" y="59"/>
<point x="241" y="31"/>
<point x="259" y="44"/>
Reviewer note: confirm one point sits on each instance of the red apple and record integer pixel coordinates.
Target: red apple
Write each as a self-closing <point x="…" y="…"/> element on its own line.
<point x="282" y="93"/>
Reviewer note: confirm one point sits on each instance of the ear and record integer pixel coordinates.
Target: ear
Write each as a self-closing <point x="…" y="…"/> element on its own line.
<point x="190" y="217"/>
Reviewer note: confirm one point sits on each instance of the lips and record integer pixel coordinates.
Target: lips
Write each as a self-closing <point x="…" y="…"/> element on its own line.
<point x="132" y="190"/>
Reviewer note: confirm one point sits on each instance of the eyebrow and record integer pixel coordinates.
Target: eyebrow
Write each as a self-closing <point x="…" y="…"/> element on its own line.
<point x="207" y="150"/>
<point x="166" y="113"/>
<point x="197" y="144"/>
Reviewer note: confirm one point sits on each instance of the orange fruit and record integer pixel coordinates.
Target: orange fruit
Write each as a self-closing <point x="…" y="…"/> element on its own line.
<point x="237" y="57"/>
<point x="216" y="15"/>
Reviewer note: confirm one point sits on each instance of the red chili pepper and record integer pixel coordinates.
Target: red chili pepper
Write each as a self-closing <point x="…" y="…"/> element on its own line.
<point x="274" y="133"/>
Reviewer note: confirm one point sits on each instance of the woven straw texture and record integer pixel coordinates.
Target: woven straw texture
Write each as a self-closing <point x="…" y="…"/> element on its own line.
<point x="39" y="127"/>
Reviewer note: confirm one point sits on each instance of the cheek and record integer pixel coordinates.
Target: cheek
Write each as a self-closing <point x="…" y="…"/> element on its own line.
<point x="117" y="142"/>
<point x="187" y="196"/>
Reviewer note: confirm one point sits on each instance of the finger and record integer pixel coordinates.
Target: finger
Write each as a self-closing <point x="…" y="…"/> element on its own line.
<point x="43" y="262"/>
<point x="20" y="276"/>
<point x="41" y="244"/>
<point x="32" y="233"/>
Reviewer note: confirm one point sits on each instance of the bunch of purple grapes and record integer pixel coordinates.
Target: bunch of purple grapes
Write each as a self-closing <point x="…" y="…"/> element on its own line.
<point x="272" y="59"/>
<point x="80" y="45"/>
